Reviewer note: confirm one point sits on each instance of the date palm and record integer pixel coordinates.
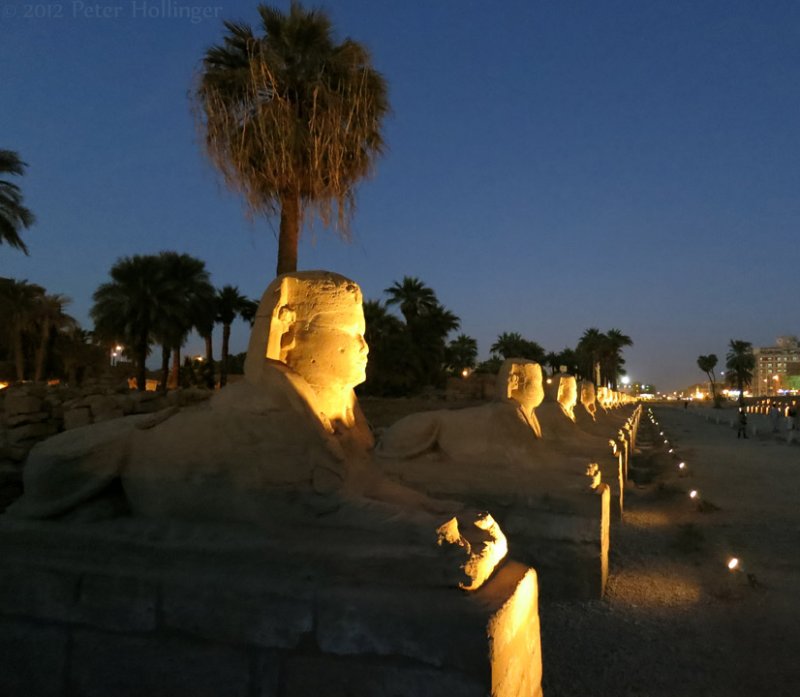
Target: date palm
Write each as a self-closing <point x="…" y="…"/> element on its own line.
<point x="292" y="119"/>
<point x="514" y="345"/>
<point x="614" y="342"/>
<point x="412" y="296"/>
<point x="707" y="365"/>
<point x="230" y="304"/>
<point x="740" y="363"/>
<point x="19" y="303"/>
<point x="13" y="215"/>
<point x="187" y="293"/>
<point x="50" y="315"/>
<point x="128" y="307"/>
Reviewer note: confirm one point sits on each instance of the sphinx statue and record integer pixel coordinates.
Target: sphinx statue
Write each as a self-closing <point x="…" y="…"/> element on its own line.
<point x="588" y="401"/>
<point x="504" y="431"/>
<point x="288" y="445"/>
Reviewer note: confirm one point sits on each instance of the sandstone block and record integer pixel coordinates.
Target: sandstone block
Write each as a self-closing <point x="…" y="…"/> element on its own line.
<point x="21" y="403"/>
<point x="75" y="418"/>
<point x="35" y="431"/>
<point x="260" y="619"/>
<point x="125" y="666"/>
<point x="21" y="419"/>
<point x="337" y="677"/>
<point x="114" y="602"/>
<point x="33" y="659"/>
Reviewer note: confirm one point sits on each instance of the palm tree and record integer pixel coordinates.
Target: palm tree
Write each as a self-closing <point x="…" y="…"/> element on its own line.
<point x="740" y="363"/>
<point x="413" y="297"/>
<point x="462" y="353"/>
<point x="188" y="293"/>
<point x="129" y="306"/>
<point x="13" y="215"/>
<point x="230" y="303"/>
<point x="707" y="364"/>
<point x="19" y="302"/>
<point x="513" y="345"/>
<point x="589" y="352"/>
<point x="614" y="342"/>
<point x="51" y="316"/>
<point x="292" y="119"/>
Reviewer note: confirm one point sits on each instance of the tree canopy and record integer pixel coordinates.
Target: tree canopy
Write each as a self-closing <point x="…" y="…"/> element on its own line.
<point x="292" y="119"/>
<point x="14" y="216"/>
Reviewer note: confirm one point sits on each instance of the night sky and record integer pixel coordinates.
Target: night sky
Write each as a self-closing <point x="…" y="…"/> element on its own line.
<point x="553" y="165"/>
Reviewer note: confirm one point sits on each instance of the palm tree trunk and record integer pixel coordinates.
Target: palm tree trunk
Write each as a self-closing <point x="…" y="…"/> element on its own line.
<point x="223" y="367"/>
<point x="209" y="361"/>
<point x="19" y="356"/>
<point x="165" y="353"/>
<point x="41" y="352"/>
<point x="175" y="373"/>
<point x="141" y="362"/>
<point x="289" y="232"/>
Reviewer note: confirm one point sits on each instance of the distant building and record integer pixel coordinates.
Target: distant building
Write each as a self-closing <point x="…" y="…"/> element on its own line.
<point x="777" y="369"/>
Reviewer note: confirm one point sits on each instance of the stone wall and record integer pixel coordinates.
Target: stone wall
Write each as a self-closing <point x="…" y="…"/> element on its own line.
<point x="30" y="413"/>
<point x="149" y="621"/>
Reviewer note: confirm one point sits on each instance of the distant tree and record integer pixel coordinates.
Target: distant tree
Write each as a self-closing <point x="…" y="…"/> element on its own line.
<point x="13" y="215"/>
<point x="230" y="304"/>
<point x="513" y="345"/>
<point x="568" y="358"/>
<point x="707" y="365"/>
<point x="392" y="361"/>
<point x="187" y="292"/>
<point x="292" y="119"/>
<point x="611" y="353"/>
<point x="412" y="296"/>
<point x="50" y="316"/>
<point x="128" y="308"/>
<point x="462" y="353"/>
<point x="740" y="363"/>
<point x="20" y="302"/>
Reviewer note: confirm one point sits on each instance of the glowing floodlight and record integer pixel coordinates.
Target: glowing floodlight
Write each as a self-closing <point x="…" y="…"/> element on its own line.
<point x="681" y="465"/>
<point x="661" y="433"/>
<point x="693" y="494"/>
<point x="672" y="450"/>
<point x="733" y="563"/>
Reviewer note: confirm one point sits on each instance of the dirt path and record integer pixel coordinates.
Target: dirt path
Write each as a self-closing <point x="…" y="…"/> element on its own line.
<point x="675" y="621"/>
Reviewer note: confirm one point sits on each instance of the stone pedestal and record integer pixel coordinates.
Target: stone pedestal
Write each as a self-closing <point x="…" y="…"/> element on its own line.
<point x="144" y="608"/>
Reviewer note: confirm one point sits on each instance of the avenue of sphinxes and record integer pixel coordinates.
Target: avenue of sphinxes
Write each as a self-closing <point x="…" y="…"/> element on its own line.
<point x="266" y="540"/>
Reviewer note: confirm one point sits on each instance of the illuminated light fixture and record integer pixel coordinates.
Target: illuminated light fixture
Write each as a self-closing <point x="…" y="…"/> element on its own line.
<point x="661" y="433"/>
<point x="465" y="373"/>
<point x="666" y="442"/>
<point x="681" y="465"/>
<point x="733" y="563"/>
<point x="693" y="494"/>
<point x="672" y="450"/>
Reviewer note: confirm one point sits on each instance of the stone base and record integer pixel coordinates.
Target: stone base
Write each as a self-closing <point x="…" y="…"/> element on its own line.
<point x="135" y="609"/>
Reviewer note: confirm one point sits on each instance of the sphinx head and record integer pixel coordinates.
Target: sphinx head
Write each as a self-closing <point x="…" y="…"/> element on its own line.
<point x="588" y="397"/>
<point x="312" y="322"/>
<point x="520" y="380"/>
<point x="567" y="396"/>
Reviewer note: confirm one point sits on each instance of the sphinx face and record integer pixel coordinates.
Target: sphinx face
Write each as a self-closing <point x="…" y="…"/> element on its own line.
<point x="587" y="397"/>
<point x="525" y="385"/>
<point x="567" y="393"/>
<point x="332" y="352"/>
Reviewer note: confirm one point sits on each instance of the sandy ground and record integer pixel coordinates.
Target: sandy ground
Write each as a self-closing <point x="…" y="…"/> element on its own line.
<point x="675" y="621"/>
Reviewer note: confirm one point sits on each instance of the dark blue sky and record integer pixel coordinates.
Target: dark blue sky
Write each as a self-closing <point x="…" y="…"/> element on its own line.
<point x="553" y="164"/>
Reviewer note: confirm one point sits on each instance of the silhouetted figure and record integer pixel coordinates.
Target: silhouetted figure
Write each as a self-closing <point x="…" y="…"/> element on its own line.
<point x="742" y="432"/>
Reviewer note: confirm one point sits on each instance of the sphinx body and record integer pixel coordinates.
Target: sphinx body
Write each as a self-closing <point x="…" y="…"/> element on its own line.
<point x="504" y="431"/>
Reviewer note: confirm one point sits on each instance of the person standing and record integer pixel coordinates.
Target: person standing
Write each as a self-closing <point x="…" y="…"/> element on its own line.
<point x="742" y="432"/>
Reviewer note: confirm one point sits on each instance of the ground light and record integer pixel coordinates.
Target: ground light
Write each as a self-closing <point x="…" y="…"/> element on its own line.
<point x="733" y="563"/>
<point x="681" y="465"/>
<point x="693" y="494"/>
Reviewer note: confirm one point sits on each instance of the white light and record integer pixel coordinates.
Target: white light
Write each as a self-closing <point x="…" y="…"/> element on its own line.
<point x="682" y="466"/>
<point x="693" y="494"/>
<point x="661" y="433"/>
<point x="733" y="563"/>
<point x="625" y="380"/>
<point x="672" y="450"/>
